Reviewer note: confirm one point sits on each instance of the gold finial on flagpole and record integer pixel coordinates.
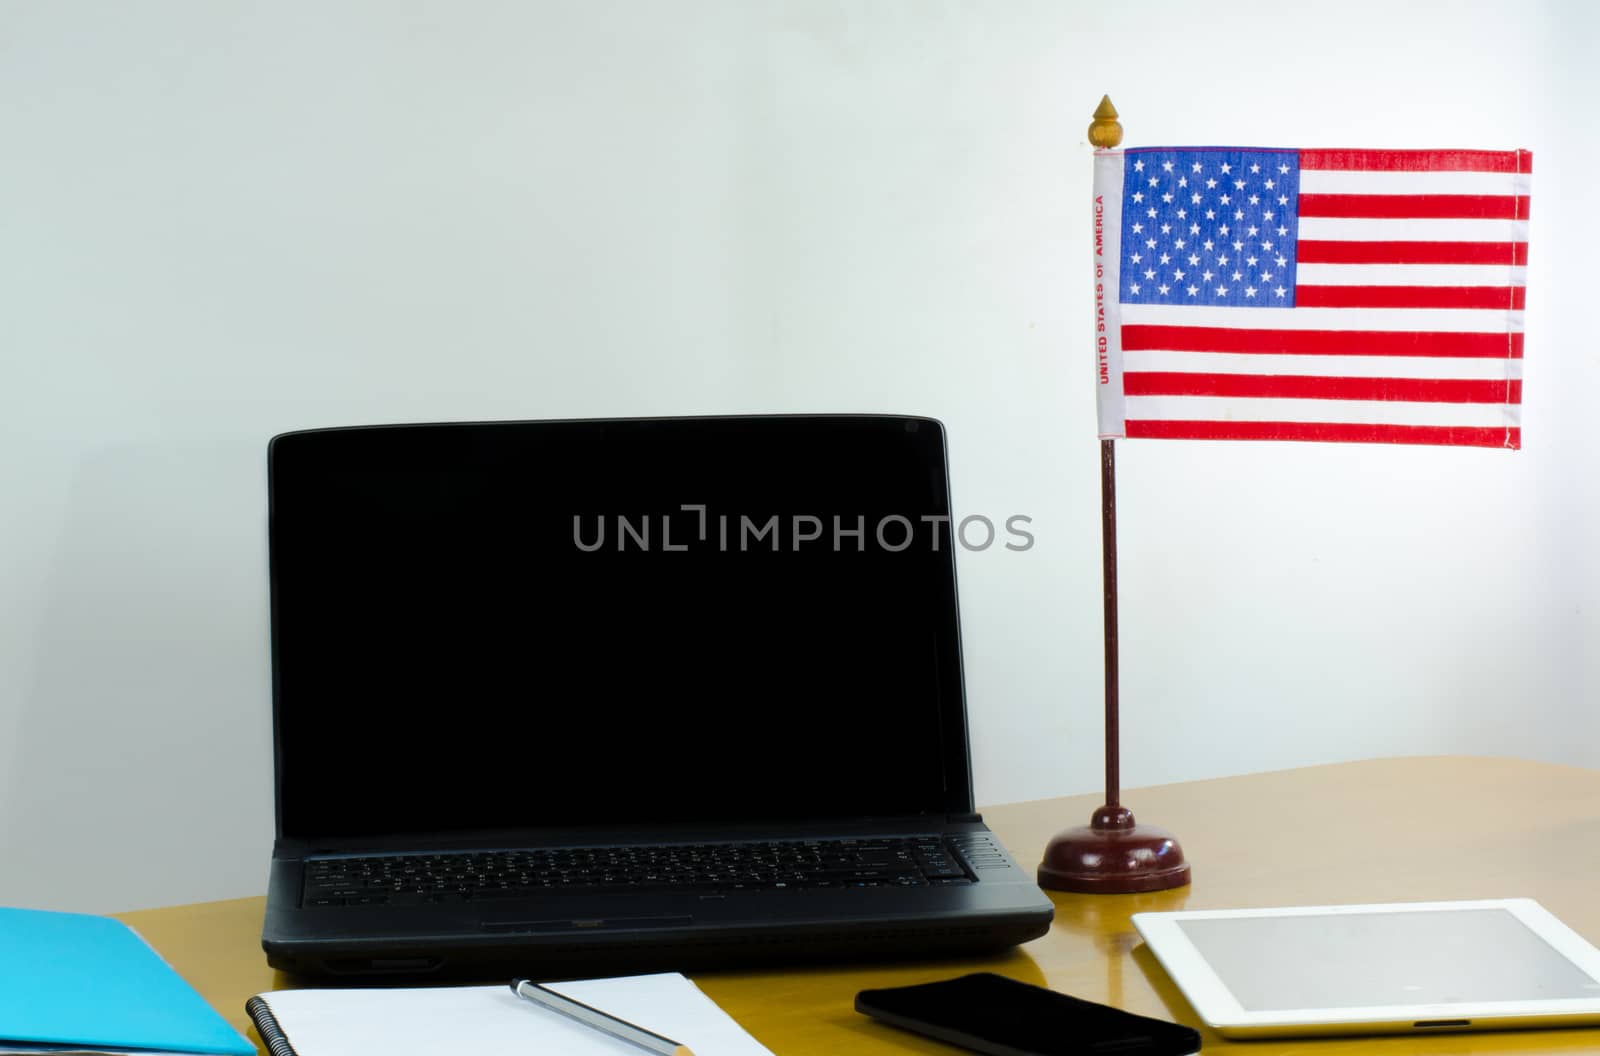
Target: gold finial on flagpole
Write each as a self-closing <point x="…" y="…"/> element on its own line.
<point x="1106" y="131"/>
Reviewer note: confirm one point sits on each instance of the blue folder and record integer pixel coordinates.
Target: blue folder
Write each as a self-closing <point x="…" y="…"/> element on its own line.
<point x="92" y="982"/>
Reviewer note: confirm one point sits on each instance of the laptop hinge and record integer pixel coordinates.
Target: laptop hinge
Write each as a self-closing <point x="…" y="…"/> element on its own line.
<point x="974" y="816"/>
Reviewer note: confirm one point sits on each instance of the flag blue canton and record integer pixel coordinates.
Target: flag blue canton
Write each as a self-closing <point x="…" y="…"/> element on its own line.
<point x="1210" y="227"/>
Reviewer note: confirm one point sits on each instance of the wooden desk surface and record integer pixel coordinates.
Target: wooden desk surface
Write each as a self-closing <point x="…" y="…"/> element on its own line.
<point x="1388" y="830"/>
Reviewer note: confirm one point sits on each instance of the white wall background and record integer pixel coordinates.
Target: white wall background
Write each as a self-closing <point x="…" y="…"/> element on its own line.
<point x="219" y="221"/>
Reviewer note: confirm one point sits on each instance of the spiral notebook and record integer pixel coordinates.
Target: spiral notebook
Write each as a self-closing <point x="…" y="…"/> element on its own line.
<point x="493" y="1021"/>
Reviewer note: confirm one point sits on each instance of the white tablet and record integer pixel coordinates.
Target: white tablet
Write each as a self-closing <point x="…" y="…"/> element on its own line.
<point x="1419" y="967"/>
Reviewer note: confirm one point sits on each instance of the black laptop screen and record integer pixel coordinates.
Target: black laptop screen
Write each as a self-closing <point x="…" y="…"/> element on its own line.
<point x="542" y="625"/>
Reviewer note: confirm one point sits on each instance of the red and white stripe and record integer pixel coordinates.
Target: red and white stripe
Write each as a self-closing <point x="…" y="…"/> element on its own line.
<point x="1407" y="325"/>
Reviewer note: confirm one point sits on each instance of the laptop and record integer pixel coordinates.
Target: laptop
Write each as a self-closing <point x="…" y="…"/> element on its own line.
<point x="566" y="698"/>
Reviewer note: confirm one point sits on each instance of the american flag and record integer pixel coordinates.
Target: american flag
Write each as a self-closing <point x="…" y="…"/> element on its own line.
<point x="1353" y="295"/>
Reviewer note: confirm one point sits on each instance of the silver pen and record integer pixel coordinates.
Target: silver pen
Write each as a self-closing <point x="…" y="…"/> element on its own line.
<point x="604" y="1022"/>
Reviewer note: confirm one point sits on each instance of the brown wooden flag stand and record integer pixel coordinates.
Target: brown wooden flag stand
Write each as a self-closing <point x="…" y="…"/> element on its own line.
<point x="1112" y="854"/>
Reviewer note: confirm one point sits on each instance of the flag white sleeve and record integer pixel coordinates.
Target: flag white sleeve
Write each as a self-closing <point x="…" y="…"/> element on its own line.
<point x="1107" y="290"/>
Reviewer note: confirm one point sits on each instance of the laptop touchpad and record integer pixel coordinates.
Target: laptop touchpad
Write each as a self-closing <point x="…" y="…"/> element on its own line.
<point x="586" y="923"/>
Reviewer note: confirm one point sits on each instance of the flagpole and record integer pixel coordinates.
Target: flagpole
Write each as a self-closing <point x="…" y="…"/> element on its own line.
<point x="1108" y="564"/>
<point x="1112" y="854"/>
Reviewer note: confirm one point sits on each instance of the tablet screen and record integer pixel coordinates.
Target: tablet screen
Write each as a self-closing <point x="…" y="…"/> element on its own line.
<point x="1369" y="960"/>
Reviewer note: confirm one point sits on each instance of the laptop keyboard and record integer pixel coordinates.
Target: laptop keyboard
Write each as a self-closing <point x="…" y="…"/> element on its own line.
<point x="417" y="879"/>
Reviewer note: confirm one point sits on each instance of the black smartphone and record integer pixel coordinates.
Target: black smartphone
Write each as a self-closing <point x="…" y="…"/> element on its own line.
<point x="991" y="1014"/>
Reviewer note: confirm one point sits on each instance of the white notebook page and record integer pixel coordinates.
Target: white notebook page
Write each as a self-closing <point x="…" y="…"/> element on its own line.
<point x="492" y="1021"/>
